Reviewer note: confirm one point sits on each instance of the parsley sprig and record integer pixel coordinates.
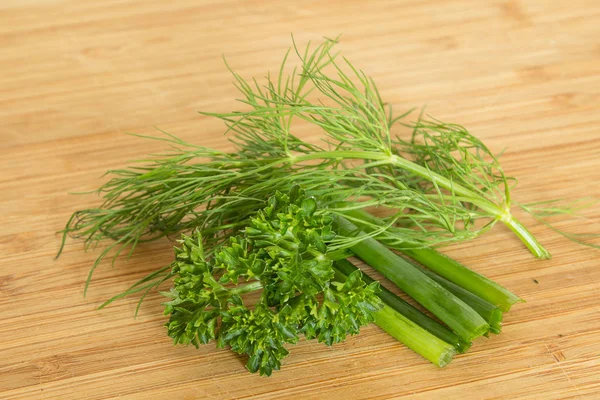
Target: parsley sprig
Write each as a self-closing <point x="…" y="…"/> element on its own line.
<point x="283" y="255"/>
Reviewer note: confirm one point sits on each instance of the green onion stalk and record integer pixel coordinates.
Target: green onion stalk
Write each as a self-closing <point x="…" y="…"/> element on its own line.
<point x="410" y="333"/>
<point x="441" y="264"/>
<point x="450" y="309"/>
<point x="398" y="304"/>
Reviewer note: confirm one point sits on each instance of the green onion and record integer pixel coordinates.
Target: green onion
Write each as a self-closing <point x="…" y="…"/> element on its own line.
<point x="441" y="264"/>
<point x="404" y="308"/>
<point x="411" y="334"/>
<point x="488" y="311"/>
<point x="452" y="311"/>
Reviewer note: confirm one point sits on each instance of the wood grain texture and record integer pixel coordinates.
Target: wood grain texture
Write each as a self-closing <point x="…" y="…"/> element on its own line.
<point x="76" y="75"/>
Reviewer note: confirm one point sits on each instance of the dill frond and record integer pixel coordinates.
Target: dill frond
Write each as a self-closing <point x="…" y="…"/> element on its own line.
<point x="435" y="186"/>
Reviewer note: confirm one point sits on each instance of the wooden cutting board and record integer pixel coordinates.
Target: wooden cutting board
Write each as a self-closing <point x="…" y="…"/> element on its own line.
<point x="75" y="76"/>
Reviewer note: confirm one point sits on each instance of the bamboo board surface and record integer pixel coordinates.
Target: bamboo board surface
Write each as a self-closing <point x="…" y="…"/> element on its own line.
<point x="76" y="75"/>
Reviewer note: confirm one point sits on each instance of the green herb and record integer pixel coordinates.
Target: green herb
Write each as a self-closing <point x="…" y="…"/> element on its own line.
<point x="442" y="185"/>
<point x="450" y="309"/>
<point x="403" y="324"/>
<point x="437" y="185"/>
<point x="408" y="311"/>
<point x="489" y="312"/>
<point x="283" y="255"/>
<point x="443" y="265"/>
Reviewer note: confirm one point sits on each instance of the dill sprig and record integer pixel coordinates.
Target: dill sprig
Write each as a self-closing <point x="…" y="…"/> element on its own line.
<point x="434" y="187"/>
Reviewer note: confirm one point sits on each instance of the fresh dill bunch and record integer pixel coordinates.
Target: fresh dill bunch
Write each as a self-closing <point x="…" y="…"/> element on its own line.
<point x="282" y="254"/>
<point x="433" y="187"/>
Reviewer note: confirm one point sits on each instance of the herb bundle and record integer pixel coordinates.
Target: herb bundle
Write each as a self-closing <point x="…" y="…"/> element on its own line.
<point x="254" y="229"/>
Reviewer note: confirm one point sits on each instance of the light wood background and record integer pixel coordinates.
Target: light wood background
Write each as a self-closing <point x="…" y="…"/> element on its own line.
<point x="76" y="75"/>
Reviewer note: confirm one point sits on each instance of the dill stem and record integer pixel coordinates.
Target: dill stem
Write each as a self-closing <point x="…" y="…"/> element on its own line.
<point x="500" y="213"/>
<point x="526" y="237"/>
<point x="411" y="334"/>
